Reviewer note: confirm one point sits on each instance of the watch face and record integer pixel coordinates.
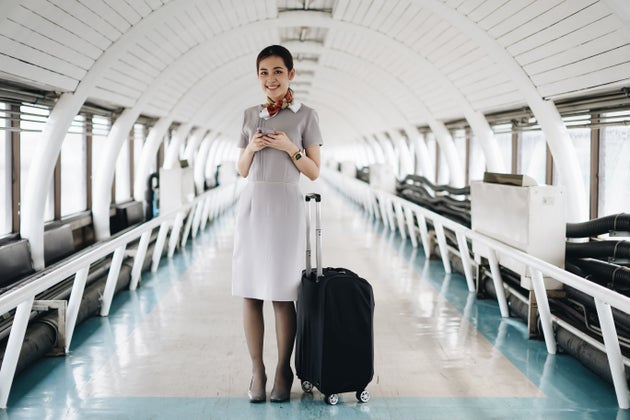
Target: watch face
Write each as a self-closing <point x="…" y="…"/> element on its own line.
<point x="298" y="156"/>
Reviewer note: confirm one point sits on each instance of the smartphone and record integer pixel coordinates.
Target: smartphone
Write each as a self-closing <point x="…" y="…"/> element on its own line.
<point x="266" y="131"/>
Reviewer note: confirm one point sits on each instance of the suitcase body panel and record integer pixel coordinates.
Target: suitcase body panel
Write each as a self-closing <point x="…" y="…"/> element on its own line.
<point x="335" y="338"/>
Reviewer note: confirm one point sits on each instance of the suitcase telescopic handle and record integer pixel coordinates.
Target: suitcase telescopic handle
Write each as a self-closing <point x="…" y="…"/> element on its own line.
<point x="313" y="196"/>
<point x="318" y="234"/>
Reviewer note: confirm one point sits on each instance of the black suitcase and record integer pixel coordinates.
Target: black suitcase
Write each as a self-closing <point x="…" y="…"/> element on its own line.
<point x="335" y="335"/>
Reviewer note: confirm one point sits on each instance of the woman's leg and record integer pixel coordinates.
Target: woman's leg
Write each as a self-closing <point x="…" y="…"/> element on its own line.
<point x="254" y="325"/>
<point x="285" y="336"/>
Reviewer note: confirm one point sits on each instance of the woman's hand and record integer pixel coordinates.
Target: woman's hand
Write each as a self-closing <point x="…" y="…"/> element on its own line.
<point x="280" y="141"/>
<point x="258" y="142"/>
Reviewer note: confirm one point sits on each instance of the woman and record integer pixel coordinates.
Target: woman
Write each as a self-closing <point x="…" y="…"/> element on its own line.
<point x="280" y="140"/>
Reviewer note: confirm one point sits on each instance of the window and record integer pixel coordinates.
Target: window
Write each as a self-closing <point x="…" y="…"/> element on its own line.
<point x="614" y="165"/>
<point x="477" y="160"/>
<point x="503" y="136"/>
<point x="123" y="179"/>
<point x="459" y="138"/>
<point x="6" y="202"/>
<point x="432" y="149"/>
<point x="100" y="129"/>
<point x="581" y="139"/>
<point x="532" y="156"/>
<point x="139" y="136"/>
<point x="444" y="174"/>
<point x="32" y="121"/>
<point x="74" y="169"/>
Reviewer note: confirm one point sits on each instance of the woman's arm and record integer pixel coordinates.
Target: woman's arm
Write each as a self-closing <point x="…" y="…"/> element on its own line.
<point x="309" y="163"/>
<point x="246" y="155"/>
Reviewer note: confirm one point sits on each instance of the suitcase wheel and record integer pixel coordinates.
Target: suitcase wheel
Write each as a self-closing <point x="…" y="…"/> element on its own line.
<point x="307" y="386"/>
<point x="363" y="396"/>
<point x="331" y="399"/>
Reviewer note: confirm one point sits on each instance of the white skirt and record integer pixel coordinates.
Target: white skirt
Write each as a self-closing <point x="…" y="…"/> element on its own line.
<point x="269" y="241"/>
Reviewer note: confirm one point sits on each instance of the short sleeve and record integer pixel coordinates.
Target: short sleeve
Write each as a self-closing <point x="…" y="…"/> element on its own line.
<point x="311" y="135"/>
<point x="244" y="133"/>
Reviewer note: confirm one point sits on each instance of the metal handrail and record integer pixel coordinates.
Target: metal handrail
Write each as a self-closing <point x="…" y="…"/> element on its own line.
<point x="202" y="208"/>
<point x="398" y="213"/>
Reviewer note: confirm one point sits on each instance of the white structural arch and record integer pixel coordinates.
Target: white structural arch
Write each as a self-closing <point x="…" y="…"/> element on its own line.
<point x="546" y="113"/>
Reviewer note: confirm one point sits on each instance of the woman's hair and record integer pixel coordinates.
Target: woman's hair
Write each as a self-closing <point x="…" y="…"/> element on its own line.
<point x="277" y="50"/>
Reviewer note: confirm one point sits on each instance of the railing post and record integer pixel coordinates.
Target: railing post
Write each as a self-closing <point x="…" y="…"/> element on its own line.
<point x="542" y="301"/>
<point x="383" y="210"/>
<point x="74" y="303"/>
<point x="138" y="261"/>
<point x="411" y="226"/>
<point x="439" y="232"/>
<point x="189" y="221"/>
<point x="389" y="206"/>
<point x="112" y="279"/>
<point x="498" y="283"/>
<point x="159" y="246"/>
<point x="205" y="217"/>
<point x="466" y="261"/>
<point x="613" y="351"/>
<point x="198" y="215"/>
<point x="424" y="233"/>
<point x="177" y="226"/>
<point x="12" y="352"/>
<point x="400" y="218"/>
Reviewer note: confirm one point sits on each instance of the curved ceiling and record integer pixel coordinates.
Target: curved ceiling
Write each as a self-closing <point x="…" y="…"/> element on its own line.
<point x="367" y="67"/>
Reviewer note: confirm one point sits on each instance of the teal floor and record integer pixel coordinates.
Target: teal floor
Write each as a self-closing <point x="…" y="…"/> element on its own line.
<point x="52" y="388"/>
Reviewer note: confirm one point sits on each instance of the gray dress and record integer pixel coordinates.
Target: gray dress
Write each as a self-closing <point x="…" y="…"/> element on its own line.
<point x="269" y="236"/>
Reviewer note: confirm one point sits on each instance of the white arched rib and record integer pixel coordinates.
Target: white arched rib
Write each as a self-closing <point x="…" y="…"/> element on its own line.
<point x="61" y="116"/>
<point x="476" y="120"/>
<point x="545" y="112"/>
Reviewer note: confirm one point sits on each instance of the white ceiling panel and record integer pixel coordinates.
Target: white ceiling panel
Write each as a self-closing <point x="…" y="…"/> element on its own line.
<point x="611" y="77"/>
<point x="559" y="29"/>
<point x="14" y="70"/>
<point x="103" y="12"/>
<point x="90" y="42"/>
<point x="404" y="58"/>
<point x="92" y="18"/>
<point x="154" y="4"/>
<point x="582" y="43"/>
<point x="16" y="33"/>
<point x="469" y="7"/>
<point x="124" y="9"/>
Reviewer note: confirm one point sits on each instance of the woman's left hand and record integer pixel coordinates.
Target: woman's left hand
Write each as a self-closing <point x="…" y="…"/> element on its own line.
<point x="280" y="141"/>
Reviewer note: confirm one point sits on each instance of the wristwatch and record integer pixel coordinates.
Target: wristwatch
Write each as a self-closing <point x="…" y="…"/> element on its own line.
<point x="297" y="155"/>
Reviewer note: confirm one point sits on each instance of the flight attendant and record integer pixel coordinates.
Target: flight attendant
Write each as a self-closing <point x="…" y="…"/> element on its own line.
<point x="280" y="141"/>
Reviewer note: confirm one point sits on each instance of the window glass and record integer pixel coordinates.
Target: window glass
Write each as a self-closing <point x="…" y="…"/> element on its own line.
<point x="432" y="148"/>
<point x="123" y="189"/>
<point x="477" y="160"/>
<point x="32" y="121"/>
<point x="503" y="136"/>
<point x="74" y="169"/>
<point x="443" y="169"/>
<point x="581" y="139"/>
<point x="532" y="155"/>
<point x="614" y="165"/>
<point x="459" y="138"/>
<point x="100" y="129"/>
<point x="6" y="203"/>
<point x="139" y="136"/>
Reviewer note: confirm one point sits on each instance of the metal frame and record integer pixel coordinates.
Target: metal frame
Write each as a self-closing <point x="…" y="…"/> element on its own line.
<point x="605" y="299"/>
<point x="22" y="297"/>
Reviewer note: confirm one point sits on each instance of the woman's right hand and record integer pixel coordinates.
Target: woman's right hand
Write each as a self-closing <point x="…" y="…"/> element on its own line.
<point x="258" y="142"/>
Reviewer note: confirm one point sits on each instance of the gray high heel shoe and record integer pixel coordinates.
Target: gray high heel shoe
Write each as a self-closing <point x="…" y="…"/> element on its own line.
<point x="257" y="396"/>
<point x="283" y="394"/>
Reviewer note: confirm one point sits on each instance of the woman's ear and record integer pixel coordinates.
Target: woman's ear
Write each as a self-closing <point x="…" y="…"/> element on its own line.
<point x="292" y="74"/>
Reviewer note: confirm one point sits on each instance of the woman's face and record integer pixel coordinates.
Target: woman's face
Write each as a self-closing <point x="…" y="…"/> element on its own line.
<point x="274" y="77"/>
